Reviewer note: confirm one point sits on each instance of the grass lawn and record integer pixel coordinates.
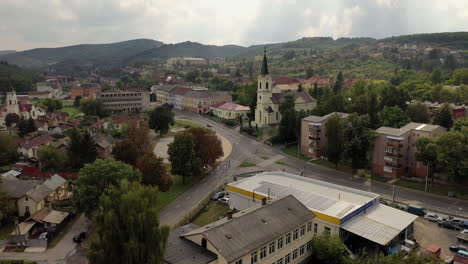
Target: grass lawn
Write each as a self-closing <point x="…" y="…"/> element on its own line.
<point x="5" y="231"/>
<point x="247" y="164"/>
<point x="292" y="150"/>
<point x="326" y="163"/>
<point x="377" y="177"/>
<point x="260" y="134"/>
<point x="164" y="198"/>
<point x="460" y="192"/>
<point x="211" y="213"/>
<point x="62" y="233"/>
<point x="71" y="111"/>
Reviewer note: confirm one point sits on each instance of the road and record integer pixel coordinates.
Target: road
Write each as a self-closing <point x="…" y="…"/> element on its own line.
<point x="245" y="148"/>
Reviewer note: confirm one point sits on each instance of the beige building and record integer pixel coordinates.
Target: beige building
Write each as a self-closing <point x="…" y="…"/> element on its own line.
<point x="53" y="86"/>
<point x="162" y="93"/>
<point x="271" y="96"/>
<point x="230" y="110"/>
<point x="260" y="234"/>
<point x="313" y="134"/>
<point x="20" y="106"/>
<point x="200" y="101"/>
<point x="186" y="61"/>
<point x="116" y="100"/>
<point x="29" y="148"/>
<point x="395" y="148"/>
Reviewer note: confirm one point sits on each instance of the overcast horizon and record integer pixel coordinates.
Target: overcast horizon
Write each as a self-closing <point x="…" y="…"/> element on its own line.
<point x="55" y="23"/>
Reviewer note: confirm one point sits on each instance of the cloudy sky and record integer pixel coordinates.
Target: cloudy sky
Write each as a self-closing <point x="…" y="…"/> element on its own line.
<point x="26" y="24"/>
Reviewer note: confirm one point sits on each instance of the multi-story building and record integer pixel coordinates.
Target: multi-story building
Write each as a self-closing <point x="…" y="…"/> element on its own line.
<point x="176" y="96"/>
<point x="199" y="101"/>
<point x="116" y="100"/>
<point x="85" y="90"/>
<point x="395" y="148"/>
<point x="458" y="111"/>
<point x="217" y="60"/>
<point x="271" y="232"/>
<point x="313" y="134"/>
<point x="162" y="93"/>
<point x="186" y="61"/>
<point x="352" y="214"/>
<point x="53" y="86"/>
<point x="230" y="110"/>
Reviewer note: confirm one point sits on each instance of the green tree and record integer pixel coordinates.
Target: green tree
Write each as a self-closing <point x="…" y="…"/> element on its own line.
<point x="50" y="104"/>
<point x="443" y="116"/>
<point x="160" y="119"/>
<point x="207" y="145"/>
<point x="373" y="109"/>
<point x="52" y="159"/>
<point x="81" y="148"/>
<point x="358" y="138"/>
<point x="125" y="151"/>
<point x="392" y="96"/>
<point x="460" y="124"/>
<point x="153" y="171"/>
<point x="76" y="102"/>
<point x="11" y="119"/>
<point x="95" y="179"/>
<point x="26" y="126"/>
<point x="334" y="134"/>
<point x="393" y="117"/>
<point x="288" y="126"/>
<point x="452" y="153"/>
<point x="427" y="153"/>
<point x="418" y="112"/>
<point x="127" y="226"/>
<point x="183" y="156"/>
<point x="339" y="84"/>
<point x="8" y="152"/>
<point x="327" y="249"/>
<point x="436" y="76"/>
<point x="93" y="107"/>
<point x="287" y="104"/>
<point x="309" y="72"/>
<point x="7" y="208"/>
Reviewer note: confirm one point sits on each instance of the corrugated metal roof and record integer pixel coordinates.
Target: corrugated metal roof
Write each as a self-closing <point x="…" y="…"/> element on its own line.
<point x="250" y="229"/>
<point x="24" y="228"/>
<point x="55" y="217"/>
<point x="54" y="182"/>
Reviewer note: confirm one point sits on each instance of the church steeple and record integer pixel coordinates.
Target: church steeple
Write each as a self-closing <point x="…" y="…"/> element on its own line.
<point x="264" y="70"/>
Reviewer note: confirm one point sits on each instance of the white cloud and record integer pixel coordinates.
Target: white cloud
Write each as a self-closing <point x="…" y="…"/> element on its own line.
<point x="27" y="24"/>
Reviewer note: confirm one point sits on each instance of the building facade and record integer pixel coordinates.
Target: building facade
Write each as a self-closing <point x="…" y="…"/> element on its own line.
<point x="313" y="134"/>
<point x="395" y="149"/>
<point x="85" y="90"/>
<point x="125" y="100"/>
<point x="20" y="106"/>
<point x="162" y="93"/>
<point x="230" y="110"/>
<point x="200" y="101"/>
<point x="53" y="86"/>
<point x="270" y="97"/>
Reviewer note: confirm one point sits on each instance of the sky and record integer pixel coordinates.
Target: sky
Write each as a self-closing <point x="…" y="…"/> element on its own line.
<point x="26" y="24"/>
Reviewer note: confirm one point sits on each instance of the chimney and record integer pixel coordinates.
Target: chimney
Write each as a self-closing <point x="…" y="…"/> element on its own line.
<point x="264" y="201"/>
<point x="229" y="215"/>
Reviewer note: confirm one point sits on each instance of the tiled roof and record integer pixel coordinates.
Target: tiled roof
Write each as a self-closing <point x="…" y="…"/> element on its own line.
<point x="17" y="188"/>
<point x="37" y="141"/>
<point x="232" y="107"/>
<point x="39" y="192"/>
<point x="319" y="81"/>
<point x="286" y="80"/>
<point x="206" y="94"/>
<point x="278" y="98"/>
<point x="179" y="90"/>
<point x="54" y="182"/>
<point x="164" y="88"/>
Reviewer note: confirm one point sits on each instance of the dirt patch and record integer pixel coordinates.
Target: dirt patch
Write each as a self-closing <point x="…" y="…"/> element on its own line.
<point x="427" y="233"/>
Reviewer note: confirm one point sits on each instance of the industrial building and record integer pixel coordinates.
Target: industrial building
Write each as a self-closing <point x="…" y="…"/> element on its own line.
<point x="354" y="215"/>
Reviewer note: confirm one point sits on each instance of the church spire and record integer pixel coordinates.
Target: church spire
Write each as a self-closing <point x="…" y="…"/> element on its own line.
<point x="264" y="70"/>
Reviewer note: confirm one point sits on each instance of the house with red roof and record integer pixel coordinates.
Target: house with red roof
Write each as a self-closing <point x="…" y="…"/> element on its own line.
<point x="230" y="110"/>
<point x="20" y="106"/>
<point x="287" y="84"/>
<point x="309" y="83"/>
<point x="29" y="148"/>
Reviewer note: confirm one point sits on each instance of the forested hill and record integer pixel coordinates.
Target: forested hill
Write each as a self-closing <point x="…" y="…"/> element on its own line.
<point x="81" y="55"/>
<point x="21" y="79"/>
<point x="3" y="52"/>
<point x="455" y="40"/>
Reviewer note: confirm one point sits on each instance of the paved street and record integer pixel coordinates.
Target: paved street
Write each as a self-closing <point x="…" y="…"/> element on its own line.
<point x="245" y="148"/>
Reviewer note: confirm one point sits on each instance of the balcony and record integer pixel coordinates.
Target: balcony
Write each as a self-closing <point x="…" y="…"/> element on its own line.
<point x="393" y="155"/>
<point x="393" y="165"/>
<point x="394" y="144"/>
<point x="314" y="137"/>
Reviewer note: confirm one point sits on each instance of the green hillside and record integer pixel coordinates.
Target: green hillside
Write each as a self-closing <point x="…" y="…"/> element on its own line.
<point x="456" y="40"/>
<point x="21" y="79"/>
<point x="3" y="52"/>
<point x="79" y="55"/>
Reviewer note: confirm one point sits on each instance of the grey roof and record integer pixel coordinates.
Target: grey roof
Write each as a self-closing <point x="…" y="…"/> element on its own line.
<point x="278" y="98"/>
<point x="183" y="251"/>
<point x="206" y="93"/>
<point x="17" y="188"/>
<point x="320" y="119"/>
<point x="254" y="227"/>
<point x="89" y="85"/>
<point x="410" y="126"/>
<point x="54" y="182"/>
<point x="39" y="192"/>
<point x="165" y="88"/>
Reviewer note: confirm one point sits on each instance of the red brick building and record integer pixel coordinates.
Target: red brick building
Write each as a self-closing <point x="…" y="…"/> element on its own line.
<point x="85" y="90"/>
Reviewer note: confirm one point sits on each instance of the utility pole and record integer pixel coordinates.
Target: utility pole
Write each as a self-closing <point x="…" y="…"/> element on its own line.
<point x="427" y="176"/>
<point x="393" y="193"/>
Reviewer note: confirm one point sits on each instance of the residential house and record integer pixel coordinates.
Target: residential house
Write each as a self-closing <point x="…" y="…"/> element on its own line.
<point x="116" y="100"/>
<point x="230" y="110"/>
<point x="118" y="121"/>
<point x="458" y="111"/>
<point x="39" y="95"/>
<point x="186" y="61"/>
<point x="176" y="96"/>
<point x="162" y="93"/>
<point x="48" y="220"/>
<point x="395" y="149"/>
<point x="313" y="134"/>
<point x="199" y="101"/>
<point x="29" y="148"/>
<point x="270" y="97"/>
<point x="321" y="82"/>
<point x="270" y="232"/>
<point x="287" y="84"/>
<point x="104" y="147"/>
<point x="58" y="185"/>
<point x="85" y="90"/>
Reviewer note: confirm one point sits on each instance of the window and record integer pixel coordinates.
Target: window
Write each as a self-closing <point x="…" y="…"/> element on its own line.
<point x="388" y="150"/>
<point x="287" y="259"/>
<point x="277" y="116"/>
<point x="280" y="243"/>
<point x="26" y="198"/>
<point x="288" y="238"/>
<point x="253" y="258"/>
<point x="302" y="230"/>
<point x="295" y="234"/>
<point x="263" y="252"/>
<point x="302" y="250"/>
<point x="309" y="226"/>
<point x="266" y="85"/>
<point x="315" y="228"/>
<point x="239" y="261"/>
<point x="327" y="230"/>
<point x="294" y="254"/>
<point x="260" y="85"/>
<point x="280" y="261"/>
<point x="272" y="248"/>
<point x="309" y="245"/>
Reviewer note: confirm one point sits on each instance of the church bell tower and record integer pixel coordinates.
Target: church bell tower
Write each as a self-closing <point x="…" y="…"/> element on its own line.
<point x="264" y="93"/>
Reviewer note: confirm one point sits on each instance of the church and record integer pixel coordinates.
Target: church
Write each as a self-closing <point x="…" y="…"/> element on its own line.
<point x="270" y="97"/>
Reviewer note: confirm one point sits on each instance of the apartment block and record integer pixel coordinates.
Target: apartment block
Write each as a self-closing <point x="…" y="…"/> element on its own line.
<point x="116" y="100"/>
<point x="313" y="134"/>
<point x="395" y="149"/>
<point x="200" y="101"/>
<point x="85" y="90"/>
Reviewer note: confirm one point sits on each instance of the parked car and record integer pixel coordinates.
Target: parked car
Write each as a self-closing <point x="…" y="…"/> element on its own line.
<point x="463" y="236"/>
<point x="80" y="237"/>
<point x="432" y="217"/>
<point x="217" y="196"/>
<point x="224" y="200"/>
<point x="416" y="210"/>
<point x="45" y="236"/>
<point x="408" y="245"/>
<point x="447" y="224"/>
<point x="456" y="248"/>
<point x="208" y="125"/>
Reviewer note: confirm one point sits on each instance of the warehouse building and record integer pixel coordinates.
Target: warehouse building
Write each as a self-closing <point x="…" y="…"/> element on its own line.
<point x="354" y="215"/>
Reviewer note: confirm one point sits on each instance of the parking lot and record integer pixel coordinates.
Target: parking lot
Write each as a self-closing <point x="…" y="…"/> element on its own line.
<point x="427" y="233"/>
